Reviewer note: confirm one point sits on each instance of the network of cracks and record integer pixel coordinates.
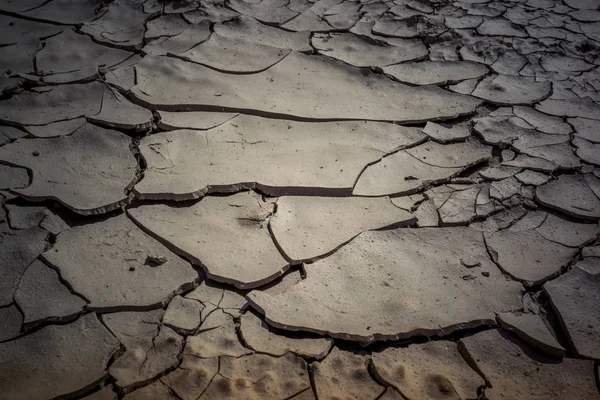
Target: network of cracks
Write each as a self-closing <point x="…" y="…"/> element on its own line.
<point x="296" y="199"/>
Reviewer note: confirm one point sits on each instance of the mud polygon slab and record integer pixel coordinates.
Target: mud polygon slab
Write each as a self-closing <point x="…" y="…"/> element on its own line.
<point x="250" y="30"/>
<point x="573" y="195"/>
<point x="588" y="129"/>
<point x="558" y="63"/>
<point x="231" y="55"/>
<point x="500" y="27"/>
<point x="62" y="171"/>
<point x="583" y="4"/>
<point x="40" y="295"/>
<point x="509" y="90"/>
<point x="387" y="279"/>
<point x="106" y="262"/>
<point x="306" y="228"/>
<point x="13" y="177"/>
<point x="259" y="376"/>
<point x="15" y="30"/>
<point x="542" y="122"/>
<point x="344" y="374"/>
<point x="11" y="320"/>
<point x="268" y="11"/>
<point x="528" y="177"/>
<point x="504" y="189"/>
<point x="150" y="347"/>
<point x="56" y="104"/>
<point x="70" y="52"/>
<point x="498" y="172"/>
<point x="587" y="151"/>
<point x="190" y="37"/>
<point x="60" y="128"/>
<point x="18" y="58"/>
<point x="393" y="26"/>
<point x="533" y="163"/>
<point x="26" y="217"/>
<point x="430" y="370"/>
<point x="427" y="214"/>
<point x="532" y="329"/>
<point x="165" y="25"/>
<point x="407" y="171"/>
<point x="56" y="360"/>
<point x="559" y="154"/>
<point x="574" y="296"/>
<point x="19" y="249"/>
<point x="584" y="108"/>
<point x="446" y="133"/>
<point x="277" y="156"/>
<point x="534" y="254"/>
<point x="226" y="235"/>
<point x="257" y="336"/>
<point x="436" y="72"/>
<point x="350" y="93"/>
<point x="121" y="26"/>
<point x="363" y="51"/>
<point x="193" y="120"/>
<point x="183" y="313"/>
<point x="119" y="113"/>
<point x="459" y="205"/>
<point x="147" y="359"/>
<point x="517" y="371"/>
<point x="221" y="341"/>
<point x="192" y="376"/>
<point x="66" y="11"/>
<point x="156" y="390"/>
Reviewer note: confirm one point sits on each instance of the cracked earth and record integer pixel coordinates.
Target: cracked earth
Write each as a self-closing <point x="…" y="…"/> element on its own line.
<point x="298" y="199"/>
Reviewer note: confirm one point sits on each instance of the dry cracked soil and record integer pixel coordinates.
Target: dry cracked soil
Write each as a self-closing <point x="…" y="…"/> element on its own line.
<point x="299" y="199"/>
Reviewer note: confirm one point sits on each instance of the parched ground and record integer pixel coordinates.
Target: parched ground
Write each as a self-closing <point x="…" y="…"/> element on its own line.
<point x="297" y="199"/>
